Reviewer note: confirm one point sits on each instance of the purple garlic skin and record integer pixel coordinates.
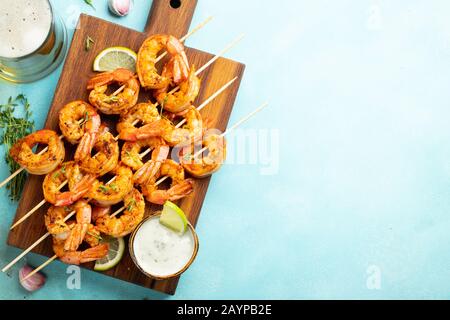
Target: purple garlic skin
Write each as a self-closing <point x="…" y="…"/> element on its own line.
<point x="34" y="282"/>
<point x="120" y="7"/>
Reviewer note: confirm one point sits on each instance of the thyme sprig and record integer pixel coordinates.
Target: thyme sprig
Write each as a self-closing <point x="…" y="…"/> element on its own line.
<point x="13" y="128"/>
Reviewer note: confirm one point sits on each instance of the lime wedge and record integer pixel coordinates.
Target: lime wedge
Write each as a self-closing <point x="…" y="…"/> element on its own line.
<point x="115" y="253"/>
<point x="115" y="57"/>
<point x="173" y="217"/>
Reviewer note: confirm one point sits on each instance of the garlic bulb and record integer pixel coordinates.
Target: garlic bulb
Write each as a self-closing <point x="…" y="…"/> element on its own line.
<point x="120" y="7"/>
<point x="33" y="283"/>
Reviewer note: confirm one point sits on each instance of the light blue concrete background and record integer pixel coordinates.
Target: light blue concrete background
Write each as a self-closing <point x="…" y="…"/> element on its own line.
<point x="359" y="96"/>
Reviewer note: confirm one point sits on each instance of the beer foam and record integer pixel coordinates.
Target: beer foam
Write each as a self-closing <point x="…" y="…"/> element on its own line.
<point x="24" y="26"/>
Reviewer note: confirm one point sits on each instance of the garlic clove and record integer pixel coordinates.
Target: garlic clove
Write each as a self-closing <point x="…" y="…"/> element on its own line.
<point x="120" y="7"/>
<point x="33" y="283"/>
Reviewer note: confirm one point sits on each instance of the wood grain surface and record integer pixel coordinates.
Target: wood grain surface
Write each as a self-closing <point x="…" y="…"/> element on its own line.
<point x="72" y="86"/>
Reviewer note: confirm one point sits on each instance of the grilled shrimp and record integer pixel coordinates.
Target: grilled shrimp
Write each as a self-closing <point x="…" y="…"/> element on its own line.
<point x="114" y="104"/>
<point x="80" y="123"/>
<point x="179" y="188"/>
<point x="147" y="55"/>
<point x="79" y="230"/>
<point x="54" y="221"/>
<point x="125" y="224"/>
<point x="78" y="257"/>
<point x="180" y="100"/>
<point x="73" y="233"/>
<point x="131" y="150"/>
<point x="147" y="115"/>
<point x="106" y="157"/>
<point x="190" y="132"/>
<point x="108" y="194"/>
<point x="53" y="180"/>
<point x="22" y="152"/>
<point x="204" y="165"/>
<point x="151" y="167"/>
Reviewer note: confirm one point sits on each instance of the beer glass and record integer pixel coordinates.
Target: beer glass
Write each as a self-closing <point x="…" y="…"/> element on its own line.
<point x="33" y="40"/>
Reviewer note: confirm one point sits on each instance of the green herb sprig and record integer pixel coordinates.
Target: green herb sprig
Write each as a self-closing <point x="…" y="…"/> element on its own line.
<point x="131" y="205"/>
<point x="90" y="3"/>
<point x="13" y="128"/>
<point x="103" y="189"/>
<point x="110" y="99"/>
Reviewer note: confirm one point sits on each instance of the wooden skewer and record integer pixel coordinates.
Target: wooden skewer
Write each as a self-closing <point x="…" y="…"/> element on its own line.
<point x="186" y="36"/>
<point x="207" y="101"/>
<point x="42" y="266"/>
<point x="217" y="56"/>
<point x="115" y="93"/>
<point x="12" y="176"/>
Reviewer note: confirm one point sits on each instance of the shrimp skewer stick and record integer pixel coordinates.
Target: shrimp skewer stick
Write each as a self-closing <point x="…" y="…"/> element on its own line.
<point x="7" y="267"/>
<point x="186" y="36"/>
<point x="203" y="68"/>
<point x="40" y="204"/>
<point x="42" y="266"/>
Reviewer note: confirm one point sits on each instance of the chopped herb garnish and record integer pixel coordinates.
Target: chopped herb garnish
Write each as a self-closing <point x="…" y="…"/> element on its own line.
<point x="132" y="155"/>
<point x="13" y="128"/>
<point x="113" y="186"/>
<point x="131" y="205"/>
<point x="96" y="236"/>
<point x="85" y="119"/>
<point x="163" y="104"/>
<point x="89" y="43"/>
<point x="111" y="99"/>
<point x="103" y="188"/>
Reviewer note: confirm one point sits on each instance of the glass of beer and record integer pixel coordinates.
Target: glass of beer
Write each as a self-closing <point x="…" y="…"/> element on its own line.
<point x="33" y="40"/>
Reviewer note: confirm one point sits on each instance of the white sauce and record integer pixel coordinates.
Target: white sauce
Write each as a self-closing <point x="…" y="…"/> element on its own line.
<point x="24" y="26"/>
<point x="160" y="251"/>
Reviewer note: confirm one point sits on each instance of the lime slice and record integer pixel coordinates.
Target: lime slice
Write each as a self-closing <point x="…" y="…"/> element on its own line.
<point x="115" y="253"/>
<point x="173" y="217"/>
<point x="115" y="57"/>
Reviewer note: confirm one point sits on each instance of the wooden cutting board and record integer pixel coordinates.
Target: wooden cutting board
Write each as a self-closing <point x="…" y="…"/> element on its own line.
<point x="72" y="86"/>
